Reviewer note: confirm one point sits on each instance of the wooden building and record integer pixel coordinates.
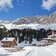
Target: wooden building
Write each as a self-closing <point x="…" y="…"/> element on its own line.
<point x="50" y="40"/>
<point x="52" y="34"/>
<point x="8" y="42"/>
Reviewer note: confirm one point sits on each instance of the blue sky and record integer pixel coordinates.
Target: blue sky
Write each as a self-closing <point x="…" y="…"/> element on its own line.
<point x="13" y="9"/>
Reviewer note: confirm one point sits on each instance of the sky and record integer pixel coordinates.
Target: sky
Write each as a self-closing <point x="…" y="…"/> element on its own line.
<point x="14" y="9"/>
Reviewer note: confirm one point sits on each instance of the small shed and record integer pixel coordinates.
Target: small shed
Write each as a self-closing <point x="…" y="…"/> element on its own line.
<point x="47" y="39"/>
<point x="8" y="42"/>
<point x="50" y="40"/>
<point x="52" y="34"/>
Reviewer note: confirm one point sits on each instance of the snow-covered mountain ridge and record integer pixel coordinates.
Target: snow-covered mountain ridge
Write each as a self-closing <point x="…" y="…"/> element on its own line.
<point x="33" y="19"/>
<point x="33" y="22"/>
<point x="36" y="19"/>
<point x="31" y="26"/>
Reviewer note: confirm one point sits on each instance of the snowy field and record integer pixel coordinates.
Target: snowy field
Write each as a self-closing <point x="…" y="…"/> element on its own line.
<point x="32" y="26"/>
<point x="28" y="50"/>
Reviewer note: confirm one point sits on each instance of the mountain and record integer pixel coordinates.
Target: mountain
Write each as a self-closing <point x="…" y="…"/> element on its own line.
<point x="33" y="22"/>
<point x="36" y="19"/>
<point x="32" y="19"/>
<point x="4" y="22"/>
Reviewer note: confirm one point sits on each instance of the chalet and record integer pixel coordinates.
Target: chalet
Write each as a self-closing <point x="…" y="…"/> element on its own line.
<point x="51" y="37"/>
<point x="8" y="42"/>
<point x="48" y="39"/>
<point x="53" y="34"/>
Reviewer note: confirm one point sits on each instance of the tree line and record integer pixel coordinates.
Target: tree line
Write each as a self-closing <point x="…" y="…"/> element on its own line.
<point x="25" y="34"/>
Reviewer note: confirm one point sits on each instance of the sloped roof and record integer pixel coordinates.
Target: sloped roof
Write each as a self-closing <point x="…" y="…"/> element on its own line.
<point x="8" y="39"/>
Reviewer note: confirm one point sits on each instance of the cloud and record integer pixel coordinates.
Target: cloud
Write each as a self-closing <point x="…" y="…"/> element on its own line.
<point x="6" y="4"/>
<point x="20" y="2"/>
<point x="48" y="4"/>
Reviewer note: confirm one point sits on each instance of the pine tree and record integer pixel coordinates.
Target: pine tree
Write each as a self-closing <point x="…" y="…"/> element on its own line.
<point x="30" y="39"/>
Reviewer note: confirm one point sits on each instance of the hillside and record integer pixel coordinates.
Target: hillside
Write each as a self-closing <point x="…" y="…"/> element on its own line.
<point x="33" y="22"/>
<point x="36" y="19"/>
<point x="32" y="19"/>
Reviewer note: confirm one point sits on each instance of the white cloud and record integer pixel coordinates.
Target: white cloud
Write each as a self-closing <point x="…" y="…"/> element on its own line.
<point x="48" y="4"/>
<point x="6" y="4"/>
<point x="20" y="2"/>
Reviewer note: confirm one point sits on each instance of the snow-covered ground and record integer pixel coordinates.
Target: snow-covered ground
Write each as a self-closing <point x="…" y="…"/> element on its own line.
<point x="32" y="26"/>
<point x="31" y="51"/>
<point x="23" y="44"/>
<point x="9" y="26"/>
<point x="28" y="50"/>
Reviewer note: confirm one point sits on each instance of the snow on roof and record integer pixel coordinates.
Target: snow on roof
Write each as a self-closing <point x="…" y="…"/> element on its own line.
<point x="8" y="39"/>
<point x="47" y="38"/>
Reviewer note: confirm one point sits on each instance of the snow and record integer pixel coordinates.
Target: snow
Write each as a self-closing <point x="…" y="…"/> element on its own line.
<point x="2" y="51"/>
<point x="22" y="26"/>
<point x="36" y="26"/>
<point x="31" y="25"/>
<point x="9" y="26"/>
<point x="36" y="51"/>
<point x="23" y="44"/>
<point x="1" y="25"/>
<point x="32" y="51"/>
<point x="27" y="49"/>
<point x="8" y="39"/>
